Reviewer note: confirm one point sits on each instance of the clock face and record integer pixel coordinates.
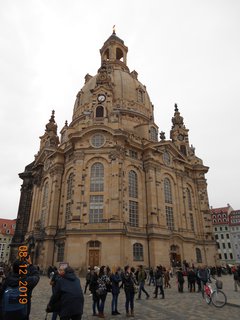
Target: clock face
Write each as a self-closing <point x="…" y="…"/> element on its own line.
<point x="180" y="137"/>
<point x="101" y="98"/>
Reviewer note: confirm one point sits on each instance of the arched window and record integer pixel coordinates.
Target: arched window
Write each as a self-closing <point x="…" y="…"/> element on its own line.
<point x="189" y="199"/>
<point x="97" y="177"/>
<point x="99" y="112"/>
<point x="119" y="54"/>
<point x="198" y="255"/>
<point x="70" y="186"/>
<point x="133" y="184"/>
<point x="138" y="252"/>
<point x="133" y="193"/>
<point x="44" y="204"/>
<point x="106" y="55"/>
<point x="153" y="134"/>
<point x="167" y="191"/>
<point x="68" y="210"/>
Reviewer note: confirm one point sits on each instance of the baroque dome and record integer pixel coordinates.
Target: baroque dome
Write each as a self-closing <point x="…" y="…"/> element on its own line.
<point x="120" y="86"/>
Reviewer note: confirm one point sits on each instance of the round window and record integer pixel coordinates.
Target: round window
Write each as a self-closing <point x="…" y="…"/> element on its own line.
<point x="97" y="140"/>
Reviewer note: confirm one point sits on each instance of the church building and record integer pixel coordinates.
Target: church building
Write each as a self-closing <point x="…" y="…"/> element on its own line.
<point x="110" y="189"/>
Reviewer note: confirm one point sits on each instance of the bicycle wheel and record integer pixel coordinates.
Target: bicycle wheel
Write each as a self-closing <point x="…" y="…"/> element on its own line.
<point x="219" y="298"/>
<point x="207" y="298"/>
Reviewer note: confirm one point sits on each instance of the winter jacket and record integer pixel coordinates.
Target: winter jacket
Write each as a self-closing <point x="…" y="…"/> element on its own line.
<point x="69" y="293"/>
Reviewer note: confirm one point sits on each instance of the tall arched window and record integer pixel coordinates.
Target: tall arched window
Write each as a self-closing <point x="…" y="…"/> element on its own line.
<point x="44" y="204"/>
<point x="97" y="186"/>
<point x="138" y="252"/>
<point x="68" y="211"/>
<point x="99" y="112"/>
<point x="189" y="199"/>
<point x="133" y="184"/>
<point x="168" y="204"/>
<point x="133" y="196"/>
<point x="167" y="191"/>
<point x="198" y="255"/>
<point x="97" y="177"/>
<point x="153" y="134"/>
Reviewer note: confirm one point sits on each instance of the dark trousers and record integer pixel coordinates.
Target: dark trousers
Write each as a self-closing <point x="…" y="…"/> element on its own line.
<point x="129" y="300"/>
<point x="73" y="317"/>
<point x="161" y="291"/>
<point x="95" y="304"/>
<point x="141" y="288"/>
<point x="180" y="286"/>
<point x="114" y="301"/>
<point x="192" y="286"/>
<point x="102" y="299"/>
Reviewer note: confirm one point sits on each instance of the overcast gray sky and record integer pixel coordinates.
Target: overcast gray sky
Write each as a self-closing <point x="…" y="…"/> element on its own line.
<point x="185" y="51"/>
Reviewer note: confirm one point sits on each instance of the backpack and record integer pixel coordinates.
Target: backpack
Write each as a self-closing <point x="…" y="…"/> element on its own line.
<point x="11" y="302"/>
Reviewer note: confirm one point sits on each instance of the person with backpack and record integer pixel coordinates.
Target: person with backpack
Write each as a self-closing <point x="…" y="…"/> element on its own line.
<point x="14" y="306"/>
<point x="141" y="277"/>
<point x="159" y="282"/>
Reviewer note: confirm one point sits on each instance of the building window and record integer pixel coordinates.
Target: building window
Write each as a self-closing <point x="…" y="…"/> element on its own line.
<point x="138" y="252"/>
<point x="70" y="186"/>
<point x="225" y="256"/>
<point x="153" y="134"/>
<point x="220" y="256"/>
<point x="216" y="236"/>
<point x="96" y="209"/>
<point x="133" y="184"/>
<point x="133" y="154"/>
<point x="166" y="158"/>
<point x="222" y="236"/>
<point x="231" y="256"/>
<point x="97" y="140"/>
<point x="133" y="213"/>
<point x="44" y="204"/>
<point x="198" y="255"/>
<point x="191" y="221"/>
<point x="167" y="191"/>
<point x="94" y="244"/>
<point x="69" y="197"/>
<point x="229" y="245"/>
<point x="60" y="255"/>
<point x="189" y="199"/>
<point x="224" y="246"/>
<point x="169" y="217"/>
<point x="99" y="112"/>
<point x="97" y="177"/>
<point x="227" y="235"/>
<point x="218" y="245"/>
<point x="140" y="96"/>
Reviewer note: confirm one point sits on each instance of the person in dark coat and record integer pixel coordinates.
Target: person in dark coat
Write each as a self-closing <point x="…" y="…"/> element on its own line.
<point x="93" y="286"/>
<point x="129" y="283"/>
<point x="159" y="282"/>
<point x="180" y="279"/>
<point x="191" y="280"/>
<point x="115" y="280"/>
<point x="68" y="292"/>
<point x="12" y="280"/>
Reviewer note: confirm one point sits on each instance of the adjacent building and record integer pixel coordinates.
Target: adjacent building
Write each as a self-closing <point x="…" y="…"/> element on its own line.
<point x="234" y="226"/>
<point x="111" y="188"/>
<point x="7" y="228"/>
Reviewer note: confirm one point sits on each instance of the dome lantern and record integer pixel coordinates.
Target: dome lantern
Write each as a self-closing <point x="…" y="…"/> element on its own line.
<point x="114" y="51"/>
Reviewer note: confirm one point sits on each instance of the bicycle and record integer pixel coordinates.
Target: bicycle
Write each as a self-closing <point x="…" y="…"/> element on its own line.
<point x="214" y="295"/>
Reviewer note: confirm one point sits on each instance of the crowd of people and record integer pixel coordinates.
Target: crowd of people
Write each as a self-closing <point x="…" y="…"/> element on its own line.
<point x="67" y="300"/>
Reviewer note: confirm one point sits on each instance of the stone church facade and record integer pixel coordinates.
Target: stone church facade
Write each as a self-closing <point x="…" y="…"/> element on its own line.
<point x="111" y="189"/>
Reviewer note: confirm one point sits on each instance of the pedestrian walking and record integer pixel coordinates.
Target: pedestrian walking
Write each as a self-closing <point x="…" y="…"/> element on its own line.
<point x="68" y="293"/>
<point x="88" y="278"/>
<point x="191" y="280"/>
<point x="141" y="277"/>
<point x="159" y="282"/>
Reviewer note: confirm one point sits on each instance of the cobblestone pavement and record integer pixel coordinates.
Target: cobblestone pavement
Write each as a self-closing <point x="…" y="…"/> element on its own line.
<point x="185" y="306"/>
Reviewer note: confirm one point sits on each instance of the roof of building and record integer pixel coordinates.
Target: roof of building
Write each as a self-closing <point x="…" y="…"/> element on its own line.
<point x="220" y="210"/>
<point x="7" y="226"/>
